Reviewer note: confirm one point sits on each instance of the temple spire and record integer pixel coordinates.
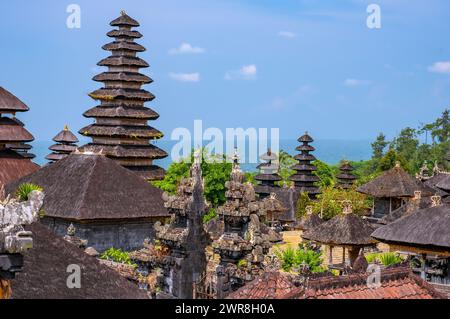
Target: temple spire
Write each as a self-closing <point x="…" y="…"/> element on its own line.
<point x="65" y="145"/>
<point x="346" y="177"/>
<point x="304" y="178"/>
<point x="268" y="174"/>
<point x="121" y="120"/>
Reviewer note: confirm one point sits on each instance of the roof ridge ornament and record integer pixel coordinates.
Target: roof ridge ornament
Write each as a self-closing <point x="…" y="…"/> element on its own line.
<point x="348" y="208"/>
<point x="122" y="12"/>
<point x="436" y="201"/>
<point x="309" y="210"/>
<point x="417" y="195"/>
<point x="397" y="164"/>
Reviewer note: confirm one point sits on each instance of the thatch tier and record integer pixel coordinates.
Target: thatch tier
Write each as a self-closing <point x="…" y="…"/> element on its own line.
<point x="124" y="21"/>
<point x="56" y="156"/>
<point x="346" y="167"/>
<point x="25" y="154"/>
<point x="123" y="77"/>
<point x="122" y="61"/>
<point x="305" y="157"/>
<point x="342" y="230"/>
<point x="10" y="131"/>
<point x="149" y="151"/>
<point x="19" y="146"/>
<point x="130" y="94"/>
<point x="309" y="221"/>
<point x="135" y="132"/>
<point x="427" y="227"/>
<point x="444" y="183"/>
<point x="63" y="148"/>
<point x="304" y="167"/>
<point x="268" y="177"/>
<point x="132" y="34"/>
<point x="304" y="178"/>
<point x="263" y="189"/>
<point x="123" y="45"/>
<point x="13" y="166"/>
<point x="305" y="138"/>
<point x="65" y="136"/>
<point x="394" y="183"/>
<point x="121" y="111"/>
<point x="152" y="172"/>
<point x="346" y="176"/>
<point x="93" y="187"/>
<point x="311" y="190"/>
<point x="305" y="148"/>
<point x="44" y="275"/>
<point x="9" y="103"/>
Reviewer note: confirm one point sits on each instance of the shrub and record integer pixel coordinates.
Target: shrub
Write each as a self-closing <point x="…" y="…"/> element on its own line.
<point x="389" y="259"/>
<point x="210" y="215"/>
<point x="294" y="258"/>
<point x="117" y="255"/>
<point x="25" y="189"/>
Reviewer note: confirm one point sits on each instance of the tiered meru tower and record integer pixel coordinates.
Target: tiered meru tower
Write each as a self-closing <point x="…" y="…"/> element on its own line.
<point x="268" y="175"/>
<point x="13" y="135"/>
<point x="121" y="130"/>
<point x="304" y="177"/>
<point x="346" y="177"/>
<point x="65" y="144"/>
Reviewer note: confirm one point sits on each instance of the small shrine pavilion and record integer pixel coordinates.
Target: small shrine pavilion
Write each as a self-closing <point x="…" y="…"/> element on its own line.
<point x="345" y="230"/>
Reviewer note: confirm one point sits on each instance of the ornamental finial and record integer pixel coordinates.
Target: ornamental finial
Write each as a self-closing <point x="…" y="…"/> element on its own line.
<point x="122" y="12"/>
<point x="436" y="201"/>
<point x="348" y="209"/>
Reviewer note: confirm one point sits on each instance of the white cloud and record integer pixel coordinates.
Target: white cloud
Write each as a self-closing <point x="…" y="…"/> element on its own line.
<point x="355" y="82"/>
<point x="440" y="67"/>
<point x="185" y="77"/>
<point x="287" y="34"/>
<point x="186" y="48"/>
<point x="247" y="72"/>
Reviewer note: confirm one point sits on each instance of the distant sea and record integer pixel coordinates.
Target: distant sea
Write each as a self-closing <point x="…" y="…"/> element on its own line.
<point x="327" y="150"/>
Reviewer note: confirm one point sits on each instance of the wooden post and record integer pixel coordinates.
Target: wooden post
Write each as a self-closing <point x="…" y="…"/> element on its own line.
<point x="423" y="273"/>
<point x="343" y="255"/>
<point x="330" y="258"/>
<point x="5" y="289"/>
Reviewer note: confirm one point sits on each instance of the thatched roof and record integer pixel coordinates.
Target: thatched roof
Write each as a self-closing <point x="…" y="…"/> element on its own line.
<point x="65" y="136"/>
<point x="426" y="227"/>
<point x="306" y="138"/>
<point x="436" y="179"/>
<point x="14" y="166"/>
<point x="116" y="60"/>
<point x="123" y="45"/>
<point x="444" y="183"/>
<point x="11" y="131"/>
<point x="394" y="183"/>
<point x="45" y="272"/>
<point x="124" y="151"/>
<point x="122" y="76"/>
<point x="10" y="103"/>
<point x="124" y="34"/>
<point x="309" y="221"/>
<point x="343" y="229"/>
<point x="121" y="131"/>
<point x="124" y="21"/>
<point x="138" y="112"/>
<point x="86" y="187"/>
<point x="111" y="94"/>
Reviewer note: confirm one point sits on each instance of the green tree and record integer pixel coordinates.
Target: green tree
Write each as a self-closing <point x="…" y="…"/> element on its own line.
<point x="378" y="146"/>
<point x="216" y="171"/>
<point x="325" y="173"/>
<point x="286" y="162"/>
<point x="390" y="159"/>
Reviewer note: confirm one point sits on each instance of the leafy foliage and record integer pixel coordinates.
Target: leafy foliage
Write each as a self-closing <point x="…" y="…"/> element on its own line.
<point x="25" y="189"/>
<point x="387" y="259"/>
<point x="292" y="259"/>
<point x="286" y="162"/>
<point x="330" y="202"/>
<point x="117" y="255"/>
<point x="210" y="215"/>
<point x="216" y="171"/>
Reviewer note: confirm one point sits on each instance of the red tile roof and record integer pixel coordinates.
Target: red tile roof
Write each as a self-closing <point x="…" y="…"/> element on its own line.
<point x="396" y="283"/>
<point x="270" y="285"/>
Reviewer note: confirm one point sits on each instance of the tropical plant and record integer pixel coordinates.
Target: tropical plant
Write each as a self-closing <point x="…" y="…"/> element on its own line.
<point x="389" y="259"/>
<point x="292" y="259"/>
<point x="117" y="255"/>
<point x="210" y="215"/>
<point x="24" y="190"/>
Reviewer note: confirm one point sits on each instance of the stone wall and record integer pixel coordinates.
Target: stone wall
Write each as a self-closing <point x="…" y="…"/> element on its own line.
<point x="123" y="235"/>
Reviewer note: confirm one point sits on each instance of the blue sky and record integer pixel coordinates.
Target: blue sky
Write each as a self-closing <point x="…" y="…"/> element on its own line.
<point x="293" y="64"/>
